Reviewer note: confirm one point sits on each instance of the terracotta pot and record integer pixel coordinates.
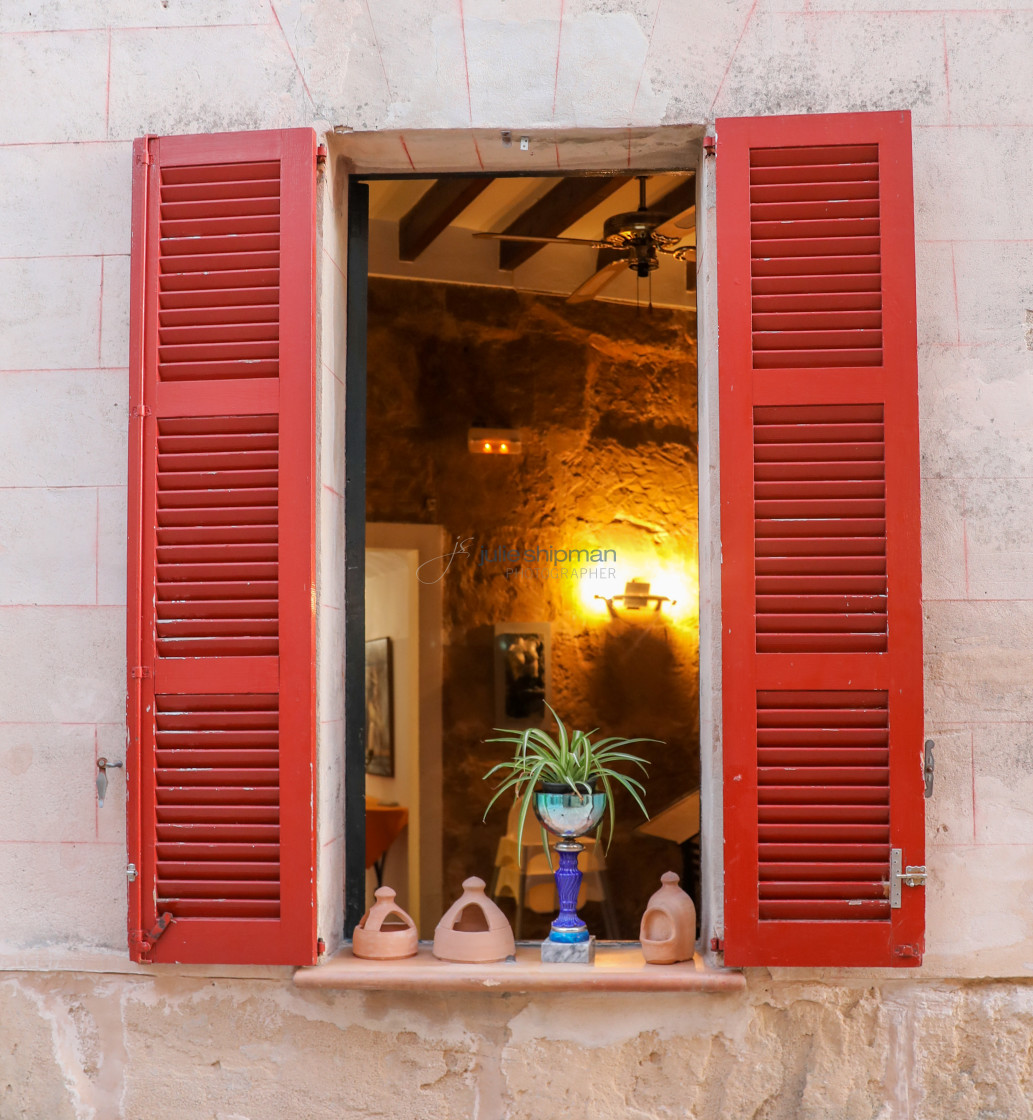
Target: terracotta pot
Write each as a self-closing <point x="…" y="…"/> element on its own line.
<point x="473" y="930"/>
<point x="668" y="930"/>
<point x="386" y="932"/>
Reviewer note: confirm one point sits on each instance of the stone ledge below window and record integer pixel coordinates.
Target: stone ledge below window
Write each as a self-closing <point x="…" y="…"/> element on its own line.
<point x="619" y="967"/>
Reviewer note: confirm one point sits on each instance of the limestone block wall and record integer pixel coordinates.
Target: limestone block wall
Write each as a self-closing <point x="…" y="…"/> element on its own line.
<point x="78" y="80"/>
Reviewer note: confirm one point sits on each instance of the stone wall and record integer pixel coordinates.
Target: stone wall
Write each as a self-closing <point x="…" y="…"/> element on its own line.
<point x="77" y="82"/>
<point x="106" y="1046"/>
<point x="605" y="396"/>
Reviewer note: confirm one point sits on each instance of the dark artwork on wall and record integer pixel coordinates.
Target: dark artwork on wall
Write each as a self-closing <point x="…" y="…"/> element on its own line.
<point x="521" y="673"/>
<point x="380" y="728"/>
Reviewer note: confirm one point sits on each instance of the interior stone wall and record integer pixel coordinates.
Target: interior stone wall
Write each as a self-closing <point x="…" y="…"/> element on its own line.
<point x="605" y="396"/>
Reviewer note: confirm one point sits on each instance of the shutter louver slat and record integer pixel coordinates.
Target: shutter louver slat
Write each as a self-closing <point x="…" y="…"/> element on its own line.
<point x="228" y="496"/>
<point x="222" y="718"/>
<point x="820" y="565"/>
<point x="195" y="739"/>
<point x="795" y="610"/>
<point x="825" y="743"/>
<point x="804" y="242"/>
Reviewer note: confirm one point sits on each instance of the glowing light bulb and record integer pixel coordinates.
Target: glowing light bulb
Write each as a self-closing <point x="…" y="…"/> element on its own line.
<point x="504" y="447"/>
<point x="487" y="447"/>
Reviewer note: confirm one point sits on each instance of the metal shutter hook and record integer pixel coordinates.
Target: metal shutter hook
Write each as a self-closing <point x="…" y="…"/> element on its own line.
<point x="102" y="778"/>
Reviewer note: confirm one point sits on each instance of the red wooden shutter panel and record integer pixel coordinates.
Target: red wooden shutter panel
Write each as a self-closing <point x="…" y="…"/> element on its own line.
<point x="821" y="568"/>
<point x="221" y="549"/>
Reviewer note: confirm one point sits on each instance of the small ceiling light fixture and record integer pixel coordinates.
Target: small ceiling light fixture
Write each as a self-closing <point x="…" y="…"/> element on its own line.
<point x="636" y="597"/>
<point x="494" y="441"/>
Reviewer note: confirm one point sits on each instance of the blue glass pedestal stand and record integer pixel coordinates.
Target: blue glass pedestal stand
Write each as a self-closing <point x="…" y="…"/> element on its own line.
<point x="569" y="941"/>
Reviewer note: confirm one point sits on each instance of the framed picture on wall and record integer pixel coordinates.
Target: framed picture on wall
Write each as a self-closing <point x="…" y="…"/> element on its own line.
<point x="523" y="675"/>
<point x="380" y="723"/>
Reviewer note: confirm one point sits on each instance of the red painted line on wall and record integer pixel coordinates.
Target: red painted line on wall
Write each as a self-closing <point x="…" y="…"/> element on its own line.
<point x="61" y="256"/>
<point x="96" y="805"/>
<point x="735" y="51"/>
<point x="336" y="494"/>
<point x="477" y="151"/>
<point x="107" y="91"/>
<point x="466" y="64"/>
<point x="59" y="143"/>
<point x="405" y="148"/>
<point x="100" y="315"/>
<point x="946" y="66"/>
<point x="642" y="72"/>
<point x="954" y="282"/>
<point x="334" y="263"/>
<point x="380" y="53"/>
<point x="96" y="555"/>
<point x="556" y="73"/>
<point x="133" y="27"/>
<point x="290" y="51"/>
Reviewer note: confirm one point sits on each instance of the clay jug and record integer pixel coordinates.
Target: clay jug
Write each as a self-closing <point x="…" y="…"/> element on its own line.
<point x="668" y="930"/>
<point x="386" y="932"/>
<point x="473" y="930"/>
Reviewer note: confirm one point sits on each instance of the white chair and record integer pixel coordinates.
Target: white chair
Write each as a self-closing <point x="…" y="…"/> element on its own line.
<point x="531" y="883"/>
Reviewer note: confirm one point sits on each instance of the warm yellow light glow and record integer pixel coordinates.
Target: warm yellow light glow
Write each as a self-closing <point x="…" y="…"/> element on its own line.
<point x="504" y="447"/>
<point x="675" y="576"/>
<point x="487" y="446"/>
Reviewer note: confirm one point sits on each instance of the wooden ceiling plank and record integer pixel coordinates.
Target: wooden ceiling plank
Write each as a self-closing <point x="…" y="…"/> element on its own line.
<point x="567" y="202"/>
<point x="436" y="209"/>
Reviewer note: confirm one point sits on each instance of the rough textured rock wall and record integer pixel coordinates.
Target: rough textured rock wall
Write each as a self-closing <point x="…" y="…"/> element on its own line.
<point x="605" y="395"/>
<point x="129" y="1046"/>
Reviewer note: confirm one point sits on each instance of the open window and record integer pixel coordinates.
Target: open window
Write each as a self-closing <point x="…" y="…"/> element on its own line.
<point x="820" y="732"/>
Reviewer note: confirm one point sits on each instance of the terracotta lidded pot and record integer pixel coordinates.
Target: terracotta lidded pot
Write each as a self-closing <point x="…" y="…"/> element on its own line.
<point x="386" y="932"/>
<point x="668" y="930"/>
<point x="473" y="930"/>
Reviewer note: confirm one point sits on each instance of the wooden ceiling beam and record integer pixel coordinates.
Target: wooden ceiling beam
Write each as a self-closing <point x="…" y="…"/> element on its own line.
<point x="435" y="211"/>
<point x="567" y="202"/>
<point x="678" y="199"/>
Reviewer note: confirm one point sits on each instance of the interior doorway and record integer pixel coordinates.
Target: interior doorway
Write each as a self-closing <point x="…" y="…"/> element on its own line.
<point x="531" y="428"/>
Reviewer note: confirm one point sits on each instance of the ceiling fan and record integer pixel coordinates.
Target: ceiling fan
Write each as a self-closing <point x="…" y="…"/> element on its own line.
<point x="638" y="236"/>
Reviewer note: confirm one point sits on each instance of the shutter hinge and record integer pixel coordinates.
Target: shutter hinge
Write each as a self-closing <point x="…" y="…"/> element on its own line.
<point x="140" y="410"/>
<point x="907" y="951"/>
<point x="710" y="145"/>
<point x="139" y="671"/>
<point x="131" y="873"/>
<point x="321" y="156"/>
<point x="908" y="877"/>
<point x="717" y="944"/>
<point x="320" y="947"/>
<point x="145" y="941"/>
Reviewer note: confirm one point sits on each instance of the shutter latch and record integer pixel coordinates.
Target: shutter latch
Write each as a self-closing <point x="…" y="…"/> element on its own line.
<point x="909" y="877"/>
<point x="928" y="767"/>
<point x="139" y="671"/>
<point x="145" y="941"/>
<point x="139" y="410"/>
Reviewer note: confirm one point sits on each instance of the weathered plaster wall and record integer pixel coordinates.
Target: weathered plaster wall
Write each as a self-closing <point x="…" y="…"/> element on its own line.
<point x="605" y="398"/>
<point x="103" y="1046"/>
<point x="77" y="82"/>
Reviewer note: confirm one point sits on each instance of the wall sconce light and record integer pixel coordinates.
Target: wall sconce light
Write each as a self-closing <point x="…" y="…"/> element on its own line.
<point x="494" y="441"/>
<point x="636" y="597"/>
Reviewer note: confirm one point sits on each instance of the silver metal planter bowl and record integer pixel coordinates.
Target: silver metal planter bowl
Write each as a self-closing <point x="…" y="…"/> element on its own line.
<point x="569" y="814"/>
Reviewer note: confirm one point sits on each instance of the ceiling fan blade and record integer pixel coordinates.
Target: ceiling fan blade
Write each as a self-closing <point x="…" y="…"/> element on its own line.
<point x="597" y="281"/>
<point x="546" y="240"/>
<point x="679" y="223"/>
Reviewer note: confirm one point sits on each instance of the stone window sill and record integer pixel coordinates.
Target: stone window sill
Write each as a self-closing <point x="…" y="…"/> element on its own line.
<point x="619" y="967"/>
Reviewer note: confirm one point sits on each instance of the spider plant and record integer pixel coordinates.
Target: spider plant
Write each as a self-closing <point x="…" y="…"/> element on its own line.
<point x="571" y="759"/>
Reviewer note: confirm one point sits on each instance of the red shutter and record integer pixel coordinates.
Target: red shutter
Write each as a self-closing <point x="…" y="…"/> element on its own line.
<point x="821" y="575"/>
<point x="221" y="640"/>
